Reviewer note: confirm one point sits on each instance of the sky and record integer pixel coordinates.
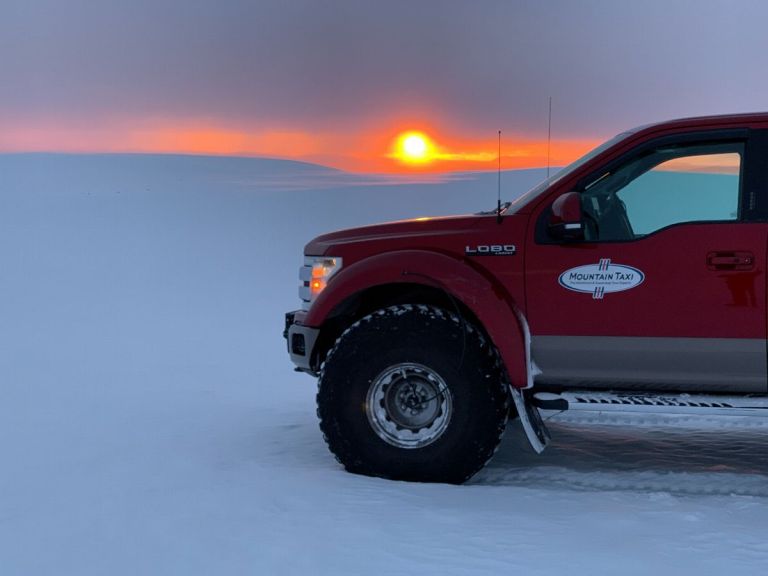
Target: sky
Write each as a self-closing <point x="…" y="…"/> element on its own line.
<point x="340" y="82"/>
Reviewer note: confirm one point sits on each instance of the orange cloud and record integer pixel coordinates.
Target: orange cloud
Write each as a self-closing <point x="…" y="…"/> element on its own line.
<point x="222" y="141"/>
<point x="152" y="137"/>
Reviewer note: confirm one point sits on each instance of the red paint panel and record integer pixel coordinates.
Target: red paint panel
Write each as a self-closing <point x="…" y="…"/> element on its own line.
<point x="434" y="253"/>
<point x="681" y="294"/>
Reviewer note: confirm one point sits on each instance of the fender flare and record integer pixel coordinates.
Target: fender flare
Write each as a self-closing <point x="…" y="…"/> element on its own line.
<point x="487" y="299"/>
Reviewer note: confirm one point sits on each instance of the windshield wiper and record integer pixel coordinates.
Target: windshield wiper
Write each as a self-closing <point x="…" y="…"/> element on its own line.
<point x="499" y="210"/>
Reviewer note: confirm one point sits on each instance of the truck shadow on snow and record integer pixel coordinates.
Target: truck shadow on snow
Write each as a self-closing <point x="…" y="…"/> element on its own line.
<point x="627" y="452"/>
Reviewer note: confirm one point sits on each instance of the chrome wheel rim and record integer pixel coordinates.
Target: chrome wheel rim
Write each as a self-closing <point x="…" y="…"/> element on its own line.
<point x="409" y="405"/>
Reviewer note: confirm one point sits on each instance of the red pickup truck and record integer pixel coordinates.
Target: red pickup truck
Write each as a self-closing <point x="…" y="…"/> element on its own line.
<point x="634" y="279"/>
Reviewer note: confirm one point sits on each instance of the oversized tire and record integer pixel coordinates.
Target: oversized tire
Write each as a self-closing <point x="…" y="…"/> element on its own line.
<point x="412" y="392"/>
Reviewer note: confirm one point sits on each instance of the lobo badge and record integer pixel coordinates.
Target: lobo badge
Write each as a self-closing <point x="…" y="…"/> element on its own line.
<point x="491" y="250"/>
<point x="601" y="278"/>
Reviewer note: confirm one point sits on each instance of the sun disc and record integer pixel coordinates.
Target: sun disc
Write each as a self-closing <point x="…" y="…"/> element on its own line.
<point x="414" y="147"/>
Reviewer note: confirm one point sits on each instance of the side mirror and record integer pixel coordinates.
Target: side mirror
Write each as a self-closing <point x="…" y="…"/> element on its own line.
<point x="565" y="221"/>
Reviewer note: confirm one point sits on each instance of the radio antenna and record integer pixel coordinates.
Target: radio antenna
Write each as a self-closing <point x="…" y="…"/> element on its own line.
<point x="498" y="193"/>
<point x="549" y="134"/>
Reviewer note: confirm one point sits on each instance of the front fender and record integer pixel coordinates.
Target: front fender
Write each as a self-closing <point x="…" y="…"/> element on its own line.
<point x="487" y="299"/>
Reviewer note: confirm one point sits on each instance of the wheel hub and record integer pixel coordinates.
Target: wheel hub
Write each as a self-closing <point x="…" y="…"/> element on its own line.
<point x="409" y="406"/>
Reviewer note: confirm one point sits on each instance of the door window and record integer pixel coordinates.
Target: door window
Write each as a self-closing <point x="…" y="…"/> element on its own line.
<point x="666" y="186"/>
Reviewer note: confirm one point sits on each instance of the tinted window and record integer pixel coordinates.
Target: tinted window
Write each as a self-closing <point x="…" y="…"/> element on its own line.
<point x="664" y="187"/>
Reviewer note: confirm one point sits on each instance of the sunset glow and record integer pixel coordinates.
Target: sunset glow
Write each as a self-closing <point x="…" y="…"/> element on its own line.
<point x="376" y="149"/>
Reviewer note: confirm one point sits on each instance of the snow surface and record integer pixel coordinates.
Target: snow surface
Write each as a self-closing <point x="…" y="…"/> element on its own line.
<point x="151" y="423"/>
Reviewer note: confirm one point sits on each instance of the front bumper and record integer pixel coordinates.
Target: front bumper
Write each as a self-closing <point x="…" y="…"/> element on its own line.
<point x="301" y="341"/>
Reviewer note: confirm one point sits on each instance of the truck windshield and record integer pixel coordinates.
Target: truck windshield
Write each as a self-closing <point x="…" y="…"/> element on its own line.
<point x="559" y="175"/>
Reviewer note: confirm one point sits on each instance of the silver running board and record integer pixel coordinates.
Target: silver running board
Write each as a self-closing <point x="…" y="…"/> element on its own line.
<point x="599" y="401"/>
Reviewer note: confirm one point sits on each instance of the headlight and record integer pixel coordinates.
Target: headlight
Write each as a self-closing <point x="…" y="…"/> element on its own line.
<point x="314" y="276"/>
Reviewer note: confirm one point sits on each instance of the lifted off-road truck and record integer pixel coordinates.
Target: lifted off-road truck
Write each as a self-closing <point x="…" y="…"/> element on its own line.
<point x="634" y="279"/>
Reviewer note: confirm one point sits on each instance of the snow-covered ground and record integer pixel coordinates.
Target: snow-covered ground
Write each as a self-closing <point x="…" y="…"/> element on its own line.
<point x="151" y="423"/>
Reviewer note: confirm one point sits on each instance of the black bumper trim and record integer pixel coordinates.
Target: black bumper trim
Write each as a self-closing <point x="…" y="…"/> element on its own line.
<point x="301" y="342"/>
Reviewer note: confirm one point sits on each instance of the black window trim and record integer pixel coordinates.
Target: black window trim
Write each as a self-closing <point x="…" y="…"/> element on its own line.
<point x="753" y="203"/>
<point x="709" y="136"/>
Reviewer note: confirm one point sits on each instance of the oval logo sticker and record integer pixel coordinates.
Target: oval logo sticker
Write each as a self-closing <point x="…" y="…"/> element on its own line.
<point x="601" y="278"/>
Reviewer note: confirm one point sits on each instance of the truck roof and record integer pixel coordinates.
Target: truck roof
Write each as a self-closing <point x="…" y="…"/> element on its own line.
<point x="743" y="119"/>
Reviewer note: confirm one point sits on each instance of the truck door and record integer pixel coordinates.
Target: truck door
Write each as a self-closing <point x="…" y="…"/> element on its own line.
<point x="667" y="287"/>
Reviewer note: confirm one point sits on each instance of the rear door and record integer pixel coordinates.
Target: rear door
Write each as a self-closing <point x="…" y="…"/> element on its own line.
<point x="667" y="290"/>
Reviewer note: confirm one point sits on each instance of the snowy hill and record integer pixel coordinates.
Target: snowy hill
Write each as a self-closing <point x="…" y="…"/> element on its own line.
<point x="151" y="422"/>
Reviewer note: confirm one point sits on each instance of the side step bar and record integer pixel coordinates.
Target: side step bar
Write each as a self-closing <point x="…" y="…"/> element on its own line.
<point x="601" y="401"/>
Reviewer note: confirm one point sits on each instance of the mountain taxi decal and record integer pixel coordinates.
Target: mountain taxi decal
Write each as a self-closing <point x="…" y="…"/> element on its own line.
<point x="601" y="278"/>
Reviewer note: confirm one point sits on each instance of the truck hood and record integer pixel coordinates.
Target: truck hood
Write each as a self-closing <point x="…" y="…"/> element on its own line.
<point x="413" y="231"/>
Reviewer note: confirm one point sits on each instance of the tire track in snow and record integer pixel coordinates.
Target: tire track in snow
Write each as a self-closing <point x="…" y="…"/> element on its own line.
<point x="645" y="453"/>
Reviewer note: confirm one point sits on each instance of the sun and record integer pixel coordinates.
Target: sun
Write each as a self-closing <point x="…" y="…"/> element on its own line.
<point x="414" y="147"/>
